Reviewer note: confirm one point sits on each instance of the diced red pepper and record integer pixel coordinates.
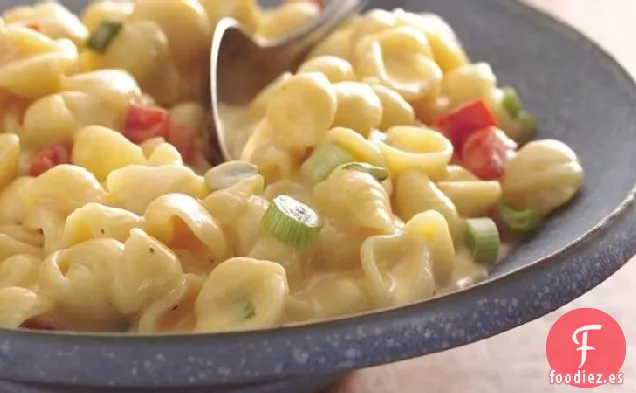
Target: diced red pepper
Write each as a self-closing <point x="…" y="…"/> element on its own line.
<point x="146" y="122"/>
<point x="456" y="159"/>
<point x="486" y="153"/>
<point x="34" y="26"/>
<point x="462" y="122"/>
<point x="39" y="324"/>
<point x="184" y="139"/>
<point x="52" y="156"/>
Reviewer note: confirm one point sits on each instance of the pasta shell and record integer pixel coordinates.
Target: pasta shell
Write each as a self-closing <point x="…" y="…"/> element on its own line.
<point x="295" y="263"/>
<point x="468" y="83"/>
<point x="242" y="294"/>
<point x="12" y="207"/>
<point x="102" y="150"/>
<point x="36" y="76"/>
<point x="400" y="59"/>
<point x="149" y="183"/>
<point x="356" y="200"/>
<point x="334" y="68"/>
<point x="433" y="228"/>
<point x="173" y="312"/>
<point x="544" y="175"/>
<point x="246" y="12"/>
<point x="10" y="247"/>
<point x="98" y="12"/>
<point x="152" y="65"/>
<point x="79" y="282"/>
<point x="18" y="305"/>
<point x="185" y="24"/>
<point x="397" y="269"/>
<point x="148" y="270"/>
<point x="9" y="158"/>
<point x="472" y="198"/>
<point x="50" y="222"/>
<point x="64" y="188"/>
<point x="287" y="18"/>
<point x="418" y="148"/>
<point x="330" y="295"/>
<point x="301" y="110"/>
<point x="240" y="210"/>
<point x="57" y="117"/>
<point x="359" y="108"/>
<point x="21" y="42"/>
<point x="116" y="87"/>
<point x="53" y="18"/>
<point x="358" y="146"/>
<point x="338" y="248"/>
<point x="21" y="233"/>
<point x="20" y="271"/>
<point x="94" y="220"/>
<point x="416" y="193"/>
<point x="337" y="44"/>
<point x="181" y="222"/>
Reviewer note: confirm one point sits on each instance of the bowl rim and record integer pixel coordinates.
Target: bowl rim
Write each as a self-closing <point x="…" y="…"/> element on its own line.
<point x="612" y="240"/>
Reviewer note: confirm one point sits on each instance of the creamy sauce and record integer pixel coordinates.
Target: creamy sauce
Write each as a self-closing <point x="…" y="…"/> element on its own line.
<point x="238" y="126"/>
<point x="467" y="272"/>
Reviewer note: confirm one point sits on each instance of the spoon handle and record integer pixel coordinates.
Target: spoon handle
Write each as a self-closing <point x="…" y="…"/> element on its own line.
<point x="335" y="13"/>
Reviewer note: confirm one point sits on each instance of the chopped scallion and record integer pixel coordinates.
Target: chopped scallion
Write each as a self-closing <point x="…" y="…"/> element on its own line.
<point x="379" y="173"/>
<point x="228" y="174"/>
<point x="527" y="122"/>
<point x="246" y="310"/>
<point x="483" y="240"/>
<point x="292" y="222"/>
<point x="511" y="102"/>
<point x="520" y="220"/>
<point x="103" y="36"/>
<point x="323" y="161"/>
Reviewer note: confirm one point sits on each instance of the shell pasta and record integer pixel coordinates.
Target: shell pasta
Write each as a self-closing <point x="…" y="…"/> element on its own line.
<point x="386" y="169"/>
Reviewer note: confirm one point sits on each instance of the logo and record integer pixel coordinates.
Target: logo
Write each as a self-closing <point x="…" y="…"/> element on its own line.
<point x="586" y="348"/>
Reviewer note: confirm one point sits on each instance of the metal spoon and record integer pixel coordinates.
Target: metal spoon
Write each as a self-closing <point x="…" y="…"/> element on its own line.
<point x="241" y="65"/>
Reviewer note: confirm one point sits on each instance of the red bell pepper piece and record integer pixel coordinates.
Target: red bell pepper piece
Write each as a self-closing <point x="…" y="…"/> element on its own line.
<point x="486" y="153"/>
<point x="39" y="324"/>
<point x="34" y="26"/>
<point x="52" y="156"/>
<point x="146" y="122"/>
<point x="463" y="121"/>
<point x="184" y="139"/>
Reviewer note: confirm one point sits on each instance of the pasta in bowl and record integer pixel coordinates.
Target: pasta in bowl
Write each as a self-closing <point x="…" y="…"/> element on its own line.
<point x="387" y="169"/>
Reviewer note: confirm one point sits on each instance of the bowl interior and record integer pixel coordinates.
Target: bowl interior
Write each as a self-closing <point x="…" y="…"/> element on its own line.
<point x="561" y="84"/>
<point x="576" y="97"/>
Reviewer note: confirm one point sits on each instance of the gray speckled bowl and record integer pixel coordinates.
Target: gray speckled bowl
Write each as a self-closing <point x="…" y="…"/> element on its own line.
<point x="580" y="95"/>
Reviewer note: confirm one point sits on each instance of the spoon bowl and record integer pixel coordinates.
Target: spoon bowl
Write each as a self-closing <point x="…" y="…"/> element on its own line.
<point x="242" y="65"/>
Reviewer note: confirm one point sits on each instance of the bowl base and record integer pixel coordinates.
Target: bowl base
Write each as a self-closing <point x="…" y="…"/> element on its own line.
<point x="297" y="385"/>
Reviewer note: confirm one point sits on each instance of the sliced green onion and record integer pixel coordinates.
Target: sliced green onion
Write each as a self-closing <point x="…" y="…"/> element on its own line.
<point x="292" y="222"/>
<point x="246" y="310"/>
<point x="379" y="173"/>
<point x="103" y="36"/>
<point x="520" y="220"/>
<point x="527" y="121"/>
<point x="323" y="161"/>
<point x="228" y="174"/>
<point x="511" y="101"/>
<point x="483" y="240"/>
